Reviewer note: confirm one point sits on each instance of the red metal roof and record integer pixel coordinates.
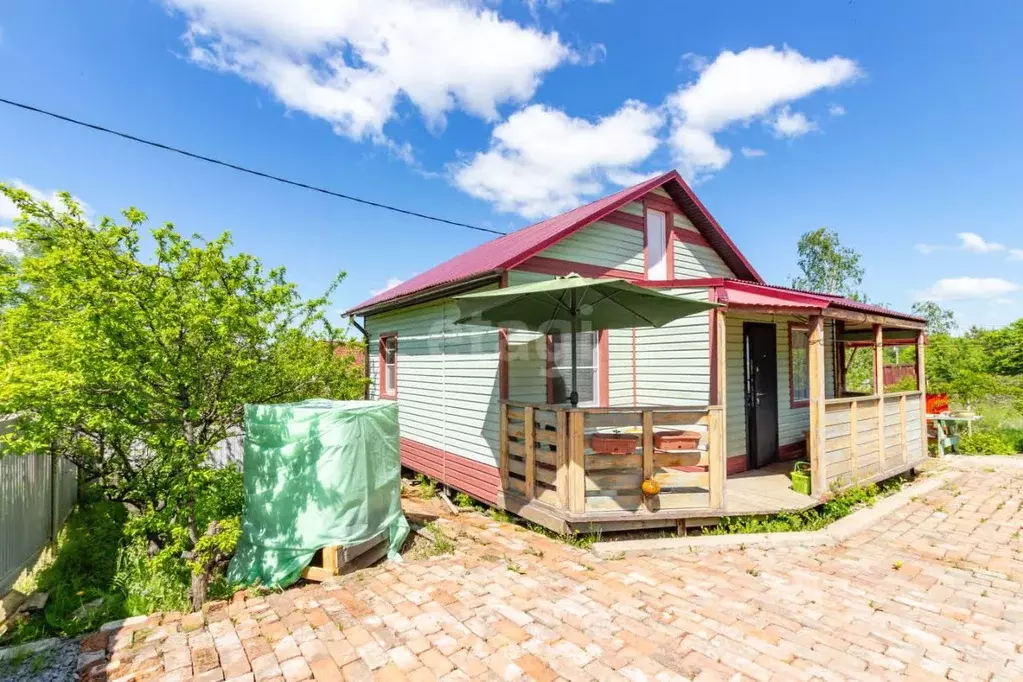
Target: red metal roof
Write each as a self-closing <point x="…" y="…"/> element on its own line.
<point x="511" y="249"/>
<point x="740" y="294"/>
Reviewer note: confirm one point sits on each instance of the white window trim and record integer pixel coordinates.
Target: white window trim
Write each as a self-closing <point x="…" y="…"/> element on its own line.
<point x="656" y="245"/>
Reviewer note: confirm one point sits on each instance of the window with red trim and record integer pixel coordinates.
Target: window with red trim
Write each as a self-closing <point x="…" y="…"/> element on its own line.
<point x="388" y="365"/>
<point x="799" y="366"/>
<point x="587" y="368"/>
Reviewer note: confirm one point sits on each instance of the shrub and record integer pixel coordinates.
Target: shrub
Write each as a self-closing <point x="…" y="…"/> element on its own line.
<point x="989" y="443"/>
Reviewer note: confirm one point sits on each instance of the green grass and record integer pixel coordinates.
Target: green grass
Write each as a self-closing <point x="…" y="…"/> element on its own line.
<point x="81" y="569"/>
<point x="810" y="519"/>
<point x="95" y="574"/>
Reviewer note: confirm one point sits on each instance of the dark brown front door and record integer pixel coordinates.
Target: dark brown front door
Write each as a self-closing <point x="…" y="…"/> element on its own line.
<point x="760" y="351"/>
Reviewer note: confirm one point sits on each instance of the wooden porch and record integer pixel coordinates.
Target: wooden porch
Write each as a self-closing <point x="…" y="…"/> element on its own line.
<point x="556" y="471"/>
<point x="628" y="468"/>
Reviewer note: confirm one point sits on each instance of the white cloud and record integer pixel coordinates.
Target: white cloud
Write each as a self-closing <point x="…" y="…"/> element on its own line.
<point x="542" y="161"/>
<point x="970" y="241"/>
<point x="967" y="288"/>
<point x="836" y="110"/>
<point x="741" y="87"/>
<point x="751" y="153"/>
<point x="9" y="247"/>
<point x="788" y="124"/>
<point x="8" y="211"/>
<point x="389" y="284"/>
<point x="350" y="63"/>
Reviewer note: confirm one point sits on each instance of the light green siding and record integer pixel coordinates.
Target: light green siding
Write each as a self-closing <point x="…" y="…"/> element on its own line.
<point x="792" y="422"/>
<point x="635" y="208"/>
<point x="448" y="385"/>
<point x="619" y="370"/>
<point x="602" y="244"/>
<point x="527" y="354"/>
<point x="673" y="361"/>
<point x="693" y="261"/>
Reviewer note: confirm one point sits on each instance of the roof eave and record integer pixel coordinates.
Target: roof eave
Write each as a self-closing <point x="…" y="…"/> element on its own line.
<point x="430" y="294"/>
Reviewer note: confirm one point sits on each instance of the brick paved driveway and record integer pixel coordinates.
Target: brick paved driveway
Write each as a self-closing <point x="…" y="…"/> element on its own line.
<point x="935" y="591"/>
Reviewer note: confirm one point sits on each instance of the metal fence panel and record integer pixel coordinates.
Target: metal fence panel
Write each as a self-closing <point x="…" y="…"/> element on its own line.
<point x="31" y="497"/>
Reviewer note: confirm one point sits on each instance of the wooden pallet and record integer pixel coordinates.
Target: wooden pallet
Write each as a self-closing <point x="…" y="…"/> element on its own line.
<point x="335" y="560"/>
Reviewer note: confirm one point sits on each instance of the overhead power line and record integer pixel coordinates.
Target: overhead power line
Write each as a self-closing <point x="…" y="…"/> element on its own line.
<point x="243" y="169"/>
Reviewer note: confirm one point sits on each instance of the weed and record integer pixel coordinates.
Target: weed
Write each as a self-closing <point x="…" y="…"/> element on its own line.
<point x="464" y="501"/>
<point x="40" y="662"/>
<point x="426" y="487"/>
<point x="897" y="565"/>
<point x="983" y="593"/>
<point x="617" y="556"/>
<point x="538" y="553"/>
<point x="753" y="571"/>
<point x="442" y="543"/>
<point x="501" y="516"/>
<point x="490" y="557"/>
<point x="810" y="519"/>
<point x="514" y="567"/>
<point x="873" y="605"/>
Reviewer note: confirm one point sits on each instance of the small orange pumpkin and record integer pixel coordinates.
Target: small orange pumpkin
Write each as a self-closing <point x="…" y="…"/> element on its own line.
<point x="651" y="487"/>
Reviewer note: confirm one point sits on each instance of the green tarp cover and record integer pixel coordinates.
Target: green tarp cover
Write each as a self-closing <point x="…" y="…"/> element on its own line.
<point x="316" y="473"/>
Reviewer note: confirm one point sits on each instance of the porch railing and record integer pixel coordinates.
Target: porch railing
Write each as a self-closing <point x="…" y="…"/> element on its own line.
<point x="866" y="438"/>
<point x="561" y="457"/>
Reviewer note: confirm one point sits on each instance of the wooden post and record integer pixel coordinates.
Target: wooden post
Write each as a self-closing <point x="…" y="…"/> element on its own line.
<point x="648" y="453"/>
<point x="561" y="475"/>
<point x="721" y="434"/>
<point x="530" y="447"/>
<point x="878" y="360"/>
<point x="818" y="475"/>
<point x="839" y="359"/>
<point x="716" y="455"/>
<point x="503" y="463"/>
<point x="576" y="466"/>
<point x="330" y="559"/>
<point x="853" y="447"/>
<point x="879" y="392"/>
<point x="921" y="385"/>
<point x="902" y="428"/>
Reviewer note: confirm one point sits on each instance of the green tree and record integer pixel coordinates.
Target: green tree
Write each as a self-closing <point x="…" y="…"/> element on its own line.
<point x="1005" y="348"/>
<point x="939" y="320"/>
<point x="135" y="367"/>
<point x="827" y="266"/>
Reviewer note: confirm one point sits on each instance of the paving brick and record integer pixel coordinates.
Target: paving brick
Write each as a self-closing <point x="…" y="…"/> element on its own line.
<point x="934" y="589"/>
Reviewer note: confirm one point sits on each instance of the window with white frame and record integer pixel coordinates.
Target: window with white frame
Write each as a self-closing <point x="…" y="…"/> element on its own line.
<point x="656" y="245"/>
<point x="587" y="368"/>
<point x="799" y="365"/>
<point x="389" y="366"/>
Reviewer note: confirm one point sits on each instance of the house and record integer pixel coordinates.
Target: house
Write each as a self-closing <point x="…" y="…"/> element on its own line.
<point x="716" y="404"/>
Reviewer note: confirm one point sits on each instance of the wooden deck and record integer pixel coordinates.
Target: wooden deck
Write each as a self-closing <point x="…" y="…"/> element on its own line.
<point x="764" y="491"/>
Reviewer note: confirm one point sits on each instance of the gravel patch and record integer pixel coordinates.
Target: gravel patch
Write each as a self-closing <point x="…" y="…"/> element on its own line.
<point x="46" y="660"/>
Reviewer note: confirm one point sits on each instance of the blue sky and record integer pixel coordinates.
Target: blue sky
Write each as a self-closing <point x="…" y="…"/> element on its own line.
<point x="895" y="124"/>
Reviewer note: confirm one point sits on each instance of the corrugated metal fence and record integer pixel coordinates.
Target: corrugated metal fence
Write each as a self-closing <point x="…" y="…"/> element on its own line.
<point x="36" y="496"/>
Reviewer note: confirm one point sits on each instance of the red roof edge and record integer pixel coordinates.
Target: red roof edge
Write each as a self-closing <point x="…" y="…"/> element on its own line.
<point x="590" y="217"/>
<point x="512" y="249"/>
<point x="791" y="296"/>
<point x="716" y="227"/>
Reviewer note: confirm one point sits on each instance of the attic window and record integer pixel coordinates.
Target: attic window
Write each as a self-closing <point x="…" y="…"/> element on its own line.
<point x="656" y="245"/>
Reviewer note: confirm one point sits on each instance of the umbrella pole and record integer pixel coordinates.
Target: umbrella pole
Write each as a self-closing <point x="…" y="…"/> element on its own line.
<point x="575" y="331"/>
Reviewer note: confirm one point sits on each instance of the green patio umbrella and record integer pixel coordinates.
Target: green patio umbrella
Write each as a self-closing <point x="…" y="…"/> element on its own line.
<point x="568" y="301"/>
